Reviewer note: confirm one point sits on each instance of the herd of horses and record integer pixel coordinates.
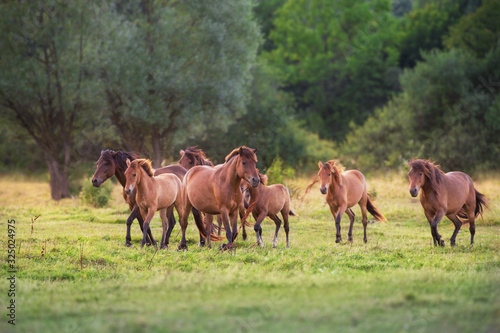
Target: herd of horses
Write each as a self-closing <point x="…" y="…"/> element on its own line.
<point x="236" y="189"/>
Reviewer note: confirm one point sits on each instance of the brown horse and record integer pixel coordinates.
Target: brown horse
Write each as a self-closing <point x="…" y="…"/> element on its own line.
<point x="194" y="156"/>
<point x="270" y="200"/>
<point x="217" y="190"/>
<point x="114" y="163"/>
<point x="344" y="190"/>
<point x="449" y="195"/>
<point x="153" y="193"/>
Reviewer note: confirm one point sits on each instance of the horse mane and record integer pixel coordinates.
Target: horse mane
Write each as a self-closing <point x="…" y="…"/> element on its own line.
<point x="198" y="156"/>
<point x="246" y="152"/>
<point x="145" y="164"/>
<point x="336" y="171"/>
<point x="118" y="157"/>
<point x="431" y="171"/>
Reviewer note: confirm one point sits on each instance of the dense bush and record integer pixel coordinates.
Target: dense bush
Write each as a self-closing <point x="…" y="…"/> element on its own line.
<point x="96" y="196"/>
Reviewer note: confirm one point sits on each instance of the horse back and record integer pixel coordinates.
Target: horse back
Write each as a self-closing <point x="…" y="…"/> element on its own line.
<point x="176" y="169"/>
<point x="459" y="189"/>
<point x="168" y="189"/>
<point x="355" y="185"/>
<point x="277" y="197"/>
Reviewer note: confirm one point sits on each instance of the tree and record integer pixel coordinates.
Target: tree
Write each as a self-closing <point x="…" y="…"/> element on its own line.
<point x="338" y="59"/>
<point x="176" y="69"/>
<point x="45" y="78"/>
<point x="478" y="31"/>
<point x="448" y="111"/>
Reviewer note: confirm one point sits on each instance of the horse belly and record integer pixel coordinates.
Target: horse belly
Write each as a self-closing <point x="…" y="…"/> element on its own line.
<point x="458" y="191"/>
<point x="202" y="199"/>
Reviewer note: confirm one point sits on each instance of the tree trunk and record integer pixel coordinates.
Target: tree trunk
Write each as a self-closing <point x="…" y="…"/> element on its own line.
<point x="59" y="184"/>
<point x="157" y="148"/>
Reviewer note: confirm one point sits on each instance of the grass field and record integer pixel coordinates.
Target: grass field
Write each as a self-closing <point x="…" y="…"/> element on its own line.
<point x="76" y="275"/>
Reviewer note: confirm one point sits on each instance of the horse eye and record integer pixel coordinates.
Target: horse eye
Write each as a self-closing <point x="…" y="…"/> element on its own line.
<point x="244" y="163"/>
<point x="135" y="174"/>
<point x="420" y="174"/>
<point x="329" y="174"/>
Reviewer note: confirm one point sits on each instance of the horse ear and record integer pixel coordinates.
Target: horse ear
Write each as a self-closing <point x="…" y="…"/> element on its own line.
<point x="255" y="150"/>
<point x="263" y="179"/>
<point x="320" y="164"/>
<point x="240" y="151"/>
<point x="128" y="162"/>
<point x="181" y="152"/>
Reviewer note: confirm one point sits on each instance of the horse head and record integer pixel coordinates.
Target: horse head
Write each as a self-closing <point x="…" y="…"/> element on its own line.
<point x="325" y="174"/>
<point x="417" y="175"/>
<point x="246" y="164"/>
<point x="133" y="173"/>
<point x="105" y="167"/>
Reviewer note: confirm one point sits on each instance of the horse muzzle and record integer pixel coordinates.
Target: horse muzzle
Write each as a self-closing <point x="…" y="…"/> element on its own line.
<point x="414" y="192"/>
<point x="323" y="190"/>
<point x="254" y="181"/>
<point x="96" y="182"/>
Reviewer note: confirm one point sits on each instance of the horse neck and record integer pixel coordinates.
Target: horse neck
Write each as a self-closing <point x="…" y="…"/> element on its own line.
<point x="145" y="184"/>
<point x="231" y="174"/>
<point x="120" y="175"/>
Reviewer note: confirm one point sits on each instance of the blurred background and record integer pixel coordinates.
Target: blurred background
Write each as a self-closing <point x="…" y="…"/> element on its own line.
<point x="370" y="83"/>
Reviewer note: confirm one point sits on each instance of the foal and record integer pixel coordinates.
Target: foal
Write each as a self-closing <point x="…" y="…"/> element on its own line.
<point x="344" y="190"/>
<point x="161" y="192"/>
<point x="270" y="200"/>
<point x="449" y="195"/>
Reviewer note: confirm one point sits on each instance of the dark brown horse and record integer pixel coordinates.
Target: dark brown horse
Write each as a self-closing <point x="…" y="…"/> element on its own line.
<point x="115" y="163"/>
<point x="344" y="190"/>
<point x="217" y="190"/>
<point x="452" y="195"/>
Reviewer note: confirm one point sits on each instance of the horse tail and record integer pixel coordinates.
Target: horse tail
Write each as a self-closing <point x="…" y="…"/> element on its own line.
<point x="244" y="221"/>
<point x="292" y="213"/>
<point x="481" y="203"/>
<point x="374" y="211"/>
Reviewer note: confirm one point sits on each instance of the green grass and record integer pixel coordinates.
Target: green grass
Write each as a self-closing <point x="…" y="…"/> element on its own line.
<point x="88" y="281"/>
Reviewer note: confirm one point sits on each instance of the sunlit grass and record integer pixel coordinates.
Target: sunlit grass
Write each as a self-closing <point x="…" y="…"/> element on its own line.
<point x="87" y="280"/>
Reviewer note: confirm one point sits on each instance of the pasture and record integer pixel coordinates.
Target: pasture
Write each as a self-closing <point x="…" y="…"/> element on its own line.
<point x="76" y="275"/>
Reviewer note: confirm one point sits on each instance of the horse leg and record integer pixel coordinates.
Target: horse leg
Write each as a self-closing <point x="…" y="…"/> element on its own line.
<point x="278" y="225"/>
<point x="225" y="218"/>
<point x="208" y="228"/>
<point x="429" y="218"/>
<point x="434" y="224"/>
<point x="197" y="217"/>
<point x="164" y="225"/>
<point x="241" y="211"/>
<point x="185" y="209"/>
<point x="472" y="222"/>
<point x="133" y="215"/>
<point x="219" y="224"/>
<point x="364" y="220"/>
<point x="171" y="225"/>
<point x="149" y="216"/>
<point x="233" y="218"/>
<point x="338" y="218"/>
<point x="285" y="214"/>
<point x="258" y="229"/>
<point x="457" y="224"/>
<point x="351" y="215"/>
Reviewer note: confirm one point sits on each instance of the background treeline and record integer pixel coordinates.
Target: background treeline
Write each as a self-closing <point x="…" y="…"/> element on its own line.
<point x="372" y="83"/>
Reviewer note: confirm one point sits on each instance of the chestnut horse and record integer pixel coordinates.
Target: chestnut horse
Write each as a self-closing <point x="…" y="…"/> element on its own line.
<point x="217" y="191"/>
<point x="270" y="200"/>
<point x="114" y="163"/>
<point x="153" y="193"/>
<point x="344" y="190"/>
<point x="449" y="195"/>
<point x="194" y="156"/>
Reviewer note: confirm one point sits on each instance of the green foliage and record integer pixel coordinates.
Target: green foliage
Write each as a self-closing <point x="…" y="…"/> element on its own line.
<point x="424" y="29"/>
<point x="96" y="196"/>
<point x="268" y="125"/>
<point x="448" y="111"/>
<point x="173" y="70"/>
<point x="277" y="173"/>
<point x="337" y="58"/>
<point x="478" y="31"/>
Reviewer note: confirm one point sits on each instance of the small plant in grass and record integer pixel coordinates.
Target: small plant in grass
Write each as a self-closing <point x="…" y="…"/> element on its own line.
<point x="96" y="196"/>
<point x="277" y="173"/>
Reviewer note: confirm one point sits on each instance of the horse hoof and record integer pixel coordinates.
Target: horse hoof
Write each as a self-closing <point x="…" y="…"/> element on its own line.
<point x="365" y="240"/>
<point x="441" y="242"/>
<point x="222" y="246"/>
<point x="244" y="237"/>
<point x="338" y="240"/>
<point x="201" y="244"/>
<point x="182" y="248"/>
<point x="128" y="244"/>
